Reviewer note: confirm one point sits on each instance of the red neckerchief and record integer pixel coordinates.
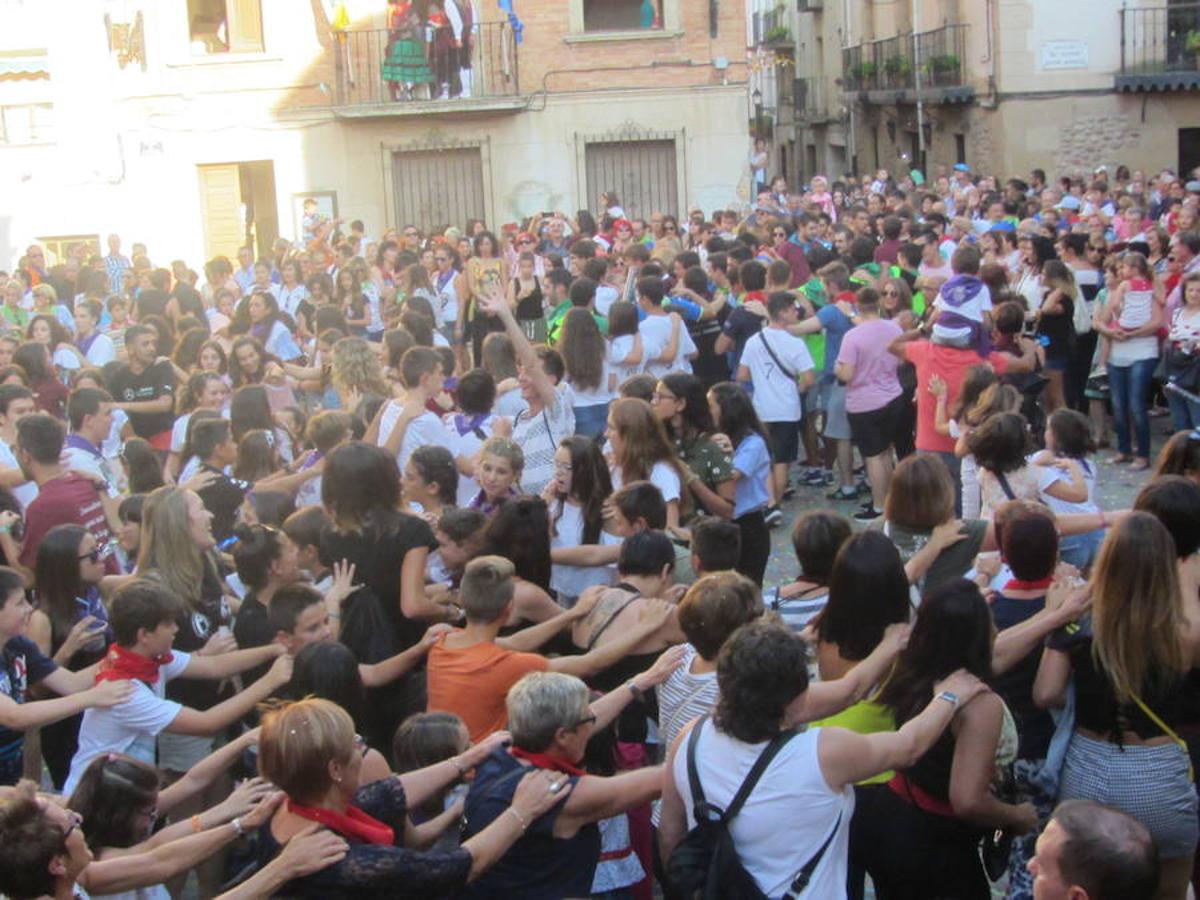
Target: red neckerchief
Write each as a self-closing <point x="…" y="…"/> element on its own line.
<point x="1017" y="584"/>
<point x="353" y="823"/>
<point x="120" y="664"/>
<point x="546" y="761"/>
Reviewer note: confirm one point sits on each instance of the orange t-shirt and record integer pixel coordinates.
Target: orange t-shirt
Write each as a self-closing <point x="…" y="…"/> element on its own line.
<point x="473" y="682"/>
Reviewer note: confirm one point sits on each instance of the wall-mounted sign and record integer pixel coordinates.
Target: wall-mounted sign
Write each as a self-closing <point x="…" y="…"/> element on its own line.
<point x="1064" y="54"/>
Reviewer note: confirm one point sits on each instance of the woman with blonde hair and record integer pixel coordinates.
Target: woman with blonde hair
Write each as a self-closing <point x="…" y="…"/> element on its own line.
<point x="1131" y="693"/>
<point x="642" y="452"/>
<point x="356" y="370"/>
<point x="309" y="750"/>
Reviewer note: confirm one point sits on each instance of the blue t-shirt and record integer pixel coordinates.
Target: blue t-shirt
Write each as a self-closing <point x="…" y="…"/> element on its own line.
<point x="538" y="866"/>
<point x="836" y="323"/>
<point x="22" y="665"/>
<point x="752" y="459"/>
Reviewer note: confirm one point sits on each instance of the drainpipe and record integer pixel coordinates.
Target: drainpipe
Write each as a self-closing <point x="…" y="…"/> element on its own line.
<point x="847" y="41"/>
<point x="916" y="7"/>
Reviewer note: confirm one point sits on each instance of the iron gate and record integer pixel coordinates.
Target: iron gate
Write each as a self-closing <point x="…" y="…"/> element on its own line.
<point x="642" y="173"/>
<point x="438" y="187"/>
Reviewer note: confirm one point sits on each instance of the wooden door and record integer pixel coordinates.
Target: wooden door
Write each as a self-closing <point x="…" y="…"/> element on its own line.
<point x="642" y="173"/>
<point x="244" y="20"/>
<point x="436" y="188"/>
<point x="221" y="209"/>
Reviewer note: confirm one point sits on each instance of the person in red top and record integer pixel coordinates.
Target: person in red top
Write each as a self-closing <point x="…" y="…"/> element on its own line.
<point x="783" y="248"/>
<point x="889" y="249"/>
<point x="64" y="496"/>
<point x="951" y="365"/>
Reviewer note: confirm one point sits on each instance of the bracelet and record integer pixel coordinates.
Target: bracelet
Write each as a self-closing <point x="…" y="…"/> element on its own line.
<point x="237" y="826"/>
<point x="197" y="825"/>
<point x="520" y="818"/>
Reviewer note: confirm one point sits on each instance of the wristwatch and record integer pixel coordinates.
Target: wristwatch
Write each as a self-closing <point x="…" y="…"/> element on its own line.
<point x="637" y="692"/>
<point x="949" y="696"/>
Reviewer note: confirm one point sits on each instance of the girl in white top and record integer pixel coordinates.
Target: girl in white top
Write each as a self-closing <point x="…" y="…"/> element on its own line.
<point x="585" y="354"/>
<point x="804" y="800"/>
<point x="624" y="344"/>
<point x="641" y="452"/>
<point x="575" y="499"/>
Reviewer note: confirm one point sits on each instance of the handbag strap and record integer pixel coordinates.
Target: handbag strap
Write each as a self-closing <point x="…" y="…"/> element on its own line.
<point x="1167" y="730"/>
<point x="762" y="336"/>
<point x="1005" y="486"/>
<point x="804" y="876"/>
<point x="620" y="609"/>
<point x="756" y="772"/>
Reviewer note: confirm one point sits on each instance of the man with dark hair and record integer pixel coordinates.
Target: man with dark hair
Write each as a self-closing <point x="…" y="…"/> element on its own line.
<point x="64" y="497"/>
<point x="1093" y="852"/>
<point x="90" y="415"/>
<point x="748" y="318"/>
<point x="212" y="442"/>
<point x="716" y="545"/>
<point x="885" y="253"/>
<point x="16" y="401"/>
<point x="145" y="387"/>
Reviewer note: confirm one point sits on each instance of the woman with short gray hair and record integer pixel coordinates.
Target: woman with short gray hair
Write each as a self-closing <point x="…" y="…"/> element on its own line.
<point x="551" y="721"/>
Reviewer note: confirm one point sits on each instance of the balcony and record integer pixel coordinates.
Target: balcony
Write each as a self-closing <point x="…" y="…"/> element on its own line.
<point x="360" y="91"/>
<point x="927" y="66"/>
<point x="1160" y="48"/>
<point x="771" y="29"/>
<point x="808" y="101"/>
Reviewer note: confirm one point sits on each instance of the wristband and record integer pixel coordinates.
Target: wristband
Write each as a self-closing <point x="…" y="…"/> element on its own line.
<point x="950" y="697"/>
<point x="197" y="825"/>
<point x="520" y="818"/>
<point x="237" y="826"/>
<point x="637" y="692"/>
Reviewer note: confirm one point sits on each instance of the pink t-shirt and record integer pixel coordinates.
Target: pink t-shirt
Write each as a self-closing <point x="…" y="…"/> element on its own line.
<point x="865" y="347"/>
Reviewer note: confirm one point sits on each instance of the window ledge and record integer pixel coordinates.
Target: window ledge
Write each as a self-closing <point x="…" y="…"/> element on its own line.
<point x="600" y="37"/>
<point x="218" y="59"/>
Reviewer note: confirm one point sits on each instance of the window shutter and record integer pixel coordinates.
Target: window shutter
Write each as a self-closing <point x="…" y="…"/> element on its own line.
<point x="244" y="19"/>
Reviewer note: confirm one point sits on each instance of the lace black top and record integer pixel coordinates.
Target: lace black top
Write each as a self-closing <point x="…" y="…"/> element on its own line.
<point x="371" y="870"/>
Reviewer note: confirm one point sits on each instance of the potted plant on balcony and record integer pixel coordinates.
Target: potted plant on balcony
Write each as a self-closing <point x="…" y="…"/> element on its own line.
<point x="780" y="34"/>
<point x="1193" y="46"/>
<point x="943" y="69"/>
<point x="861" y="75"/>
<point x="898" y="69"/>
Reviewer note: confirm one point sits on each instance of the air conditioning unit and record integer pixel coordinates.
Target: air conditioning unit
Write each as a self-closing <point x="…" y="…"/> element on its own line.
<point x="810" y="5"/>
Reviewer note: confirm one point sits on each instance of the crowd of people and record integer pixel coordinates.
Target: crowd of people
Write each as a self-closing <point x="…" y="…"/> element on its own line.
<point x="435" y="561"/>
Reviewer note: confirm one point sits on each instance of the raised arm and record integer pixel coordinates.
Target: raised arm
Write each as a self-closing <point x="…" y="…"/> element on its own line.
<point x="827" y="698"/>
<point x="526" y="356"/>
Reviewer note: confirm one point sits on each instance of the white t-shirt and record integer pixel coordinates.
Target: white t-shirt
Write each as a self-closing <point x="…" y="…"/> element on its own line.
<point x="426" y="428"/>
<point x="130" y="727"/>
<point x="663" y="476"/>
<point x="65" y="358"/>
<point x="1048" y="475"/>
<point x="619" y="349"/>
<point x="606" y="296"/>
<point x="468" y="445"/>
<point x="594" y="396"/>
<point x="571" y="581"/>
<point x="179" y="432"/>
<point x="656" y="334"/>
<point x="776" y="396"/>
<point x="101" y="352"/>
<point x="98" y="467"/>
<point x="25" y="493"/>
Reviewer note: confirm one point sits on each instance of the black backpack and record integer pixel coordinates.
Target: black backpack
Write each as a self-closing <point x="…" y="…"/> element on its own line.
<point x="706" y="865"/>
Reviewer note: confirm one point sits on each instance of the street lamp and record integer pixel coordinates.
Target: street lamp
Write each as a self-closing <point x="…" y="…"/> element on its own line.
<point x="757" y="98"/>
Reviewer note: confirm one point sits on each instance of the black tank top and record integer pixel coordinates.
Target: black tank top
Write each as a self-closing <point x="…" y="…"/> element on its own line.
<point x="529" y="307"/>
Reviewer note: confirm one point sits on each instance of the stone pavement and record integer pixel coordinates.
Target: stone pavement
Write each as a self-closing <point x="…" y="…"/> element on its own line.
<point x="1117" y="488"/>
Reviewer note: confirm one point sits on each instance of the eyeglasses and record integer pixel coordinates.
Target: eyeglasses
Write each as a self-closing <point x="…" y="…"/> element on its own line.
<point x="661" y="397"/>
<point x="94" y="556"/>
<point x="586" y="720"/>
<point x="780" y="233"/>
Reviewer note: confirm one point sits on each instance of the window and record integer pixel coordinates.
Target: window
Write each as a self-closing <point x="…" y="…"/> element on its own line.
<point x="960" y="148"/>
<point x="621" y="15"/>
<point x="59" y="247"/>
<point x="29" y="123"/>
<point x="225" y="26"/>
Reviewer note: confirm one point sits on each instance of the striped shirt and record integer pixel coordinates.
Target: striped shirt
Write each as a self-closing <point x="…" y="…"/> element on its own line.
<point x="797" y="612"/>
